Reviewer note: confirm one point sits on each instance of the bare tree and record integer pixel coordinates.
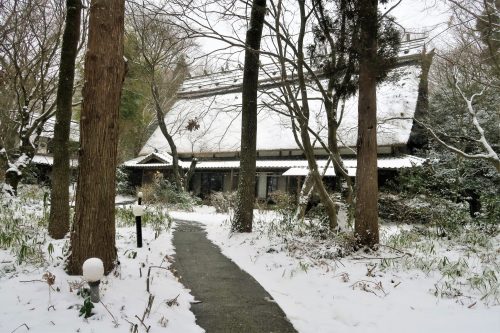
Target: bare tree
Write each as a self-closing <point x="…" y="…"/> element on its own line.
<point x="30" y="32"/>
<point x="163" y="47"/>
<point x="294" y="95"/>
<point x="467" y="77"/>
<point x="93" y="230"/>
<point x="331" y="72"/>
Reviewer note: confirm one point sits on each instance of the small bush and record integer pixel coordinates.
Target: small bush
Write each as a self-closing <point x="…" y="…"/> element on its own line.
<point x="281" y="200"/>
<point x="162" y="191"/>
<point x="154" y="216"/>
<point x="490" y="212"/>
<point x="123" y="185"/>
<point x="22" y="225"/>
<point x="448" y="217"/>
<point x="222" y="201"/>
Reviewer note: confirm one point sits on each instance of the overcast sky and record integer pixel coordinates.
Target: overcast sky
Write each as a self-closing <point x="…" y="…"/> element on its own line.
<point x="415" y="15"/>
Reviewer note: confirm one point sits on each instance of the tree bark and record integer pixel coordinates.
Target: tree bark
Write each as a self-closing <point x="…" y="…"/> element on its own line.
<point x="418" y="135"/>
<point x="366" y="212"/>
<point x="59" y="208"/>
<point x="93" y="231"/>
<point x="246" y="183"/>
<point x="160" y="116"/>
<point x="303" y="198"/>
<point x="326" y="200"/>
<point x="178" y="77"/>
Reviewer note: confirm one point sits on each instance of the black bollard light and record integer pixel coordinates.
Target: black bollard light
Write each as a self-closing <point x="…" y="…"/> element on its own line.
<point x="138" y="211"/>
<point x="93" y="271"/>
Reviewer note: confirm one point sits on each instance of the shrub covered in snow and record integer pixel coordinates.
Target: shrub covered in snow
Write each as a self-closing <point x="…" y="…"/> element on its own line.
<point x="23" y="221"/>
<point x="281" y="200"/>
<point x="222" y="201"/>
<point x="447" y="181"/>
<point x="422" y="209"/>
<point x="161" y="190"/>
<point x="123" y="185"/>
<point x="154" y="216"/>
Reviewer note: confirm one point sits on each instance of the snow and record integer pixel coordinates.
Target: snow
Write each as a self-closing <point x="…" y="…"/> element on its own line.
<point x="219" y="117"/>
<point x="350" y="294"/>
<point x="338" y="296"/>
<point x="294" y="167"/>
<point x="138" y="210"/>
<point x="305" y="171"/>
<point x="48" y="129"/>
<point x="93" y="269"/>
<point x="49" y="160"/>
<point x="28" y="299"/>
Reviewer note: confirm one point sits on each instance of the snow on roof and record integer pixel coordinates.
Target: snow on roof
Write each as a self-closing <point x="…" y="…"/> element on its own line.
<point x="163" y="158"/>
<point x="48" y="129"/>
<point x="220" y="121"/>
<point x="270" y="73"/>
<point x="330" y="172"/>
<point x="390" y="163"/>
<point x="49" y="160"/>
<point x="299" y="167"/>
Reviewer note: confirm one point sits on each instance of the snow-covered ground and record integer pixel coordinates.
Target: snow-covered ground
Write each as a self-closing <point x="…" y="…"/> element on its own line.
<point x="318" y="293"/>
<point x="27" y="304"/>
<point x="352" y="294"/>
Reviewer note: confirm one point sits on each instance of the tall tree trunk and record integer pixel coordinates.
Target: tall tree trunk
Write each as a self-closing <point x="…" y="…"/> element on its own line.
<point x="246" y="183"/>
<point x="326" y="200"/>
<point x="308" y="149"/>
<point x="418" y="135"/>
<point x="303" y="199"/>
<point x="189" y="174"/>
<point x="59" y="208"/>
<point x="160" y="117"/>
<point x="366" y="212"/>
<point x="178" y="77"/>
<point x="93" y="231"/>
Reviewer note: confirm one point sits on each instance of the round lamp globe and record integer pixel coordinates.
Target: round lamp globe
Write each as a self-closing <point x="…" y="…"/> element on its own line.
<point x="93" y="269"/>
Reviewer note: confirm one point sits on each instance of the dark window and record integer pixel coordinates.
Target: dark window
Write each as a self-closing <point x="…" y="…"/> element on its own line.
<point x="211" y="182"/>
<point x="291" y="185"/>
<point x="272" y="184"/>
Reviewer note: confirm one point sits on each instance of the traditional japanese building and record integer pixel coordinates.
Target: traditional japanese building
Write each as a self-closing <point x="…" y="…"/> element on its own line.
<point x="205" y="123"/>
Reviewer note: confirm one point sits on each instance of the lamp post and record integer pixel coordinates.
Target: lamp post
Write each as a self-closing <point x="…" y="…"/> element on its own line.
<point x="138" y="211"/>
<point x="93" y="271"/>
<point x="139" y="198"/>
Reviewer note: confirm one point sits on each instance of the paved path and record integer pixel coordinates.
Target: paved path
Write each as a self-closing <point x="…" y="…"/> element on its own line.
<point x="230" y="299"/>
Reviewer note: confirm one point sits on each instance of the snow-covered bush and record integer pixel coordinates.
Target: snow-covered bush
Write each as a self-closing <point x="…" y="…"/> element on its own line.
<point x="445" y="184"/>
<point x="281" y="200"/>
<point x="123" y="185"/>
<point x="471" y="275"/>
<point x="222" y="201"/>
<point x="162" y="191"/>
<point x="22" y="225"/>
<point x="430" y="210"/>
<point x="154" y="216"/>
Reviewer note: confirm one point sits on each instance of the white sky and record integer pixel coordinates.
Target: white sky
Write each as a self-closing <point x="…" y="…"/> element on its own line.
<point x="415" y="15"/>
